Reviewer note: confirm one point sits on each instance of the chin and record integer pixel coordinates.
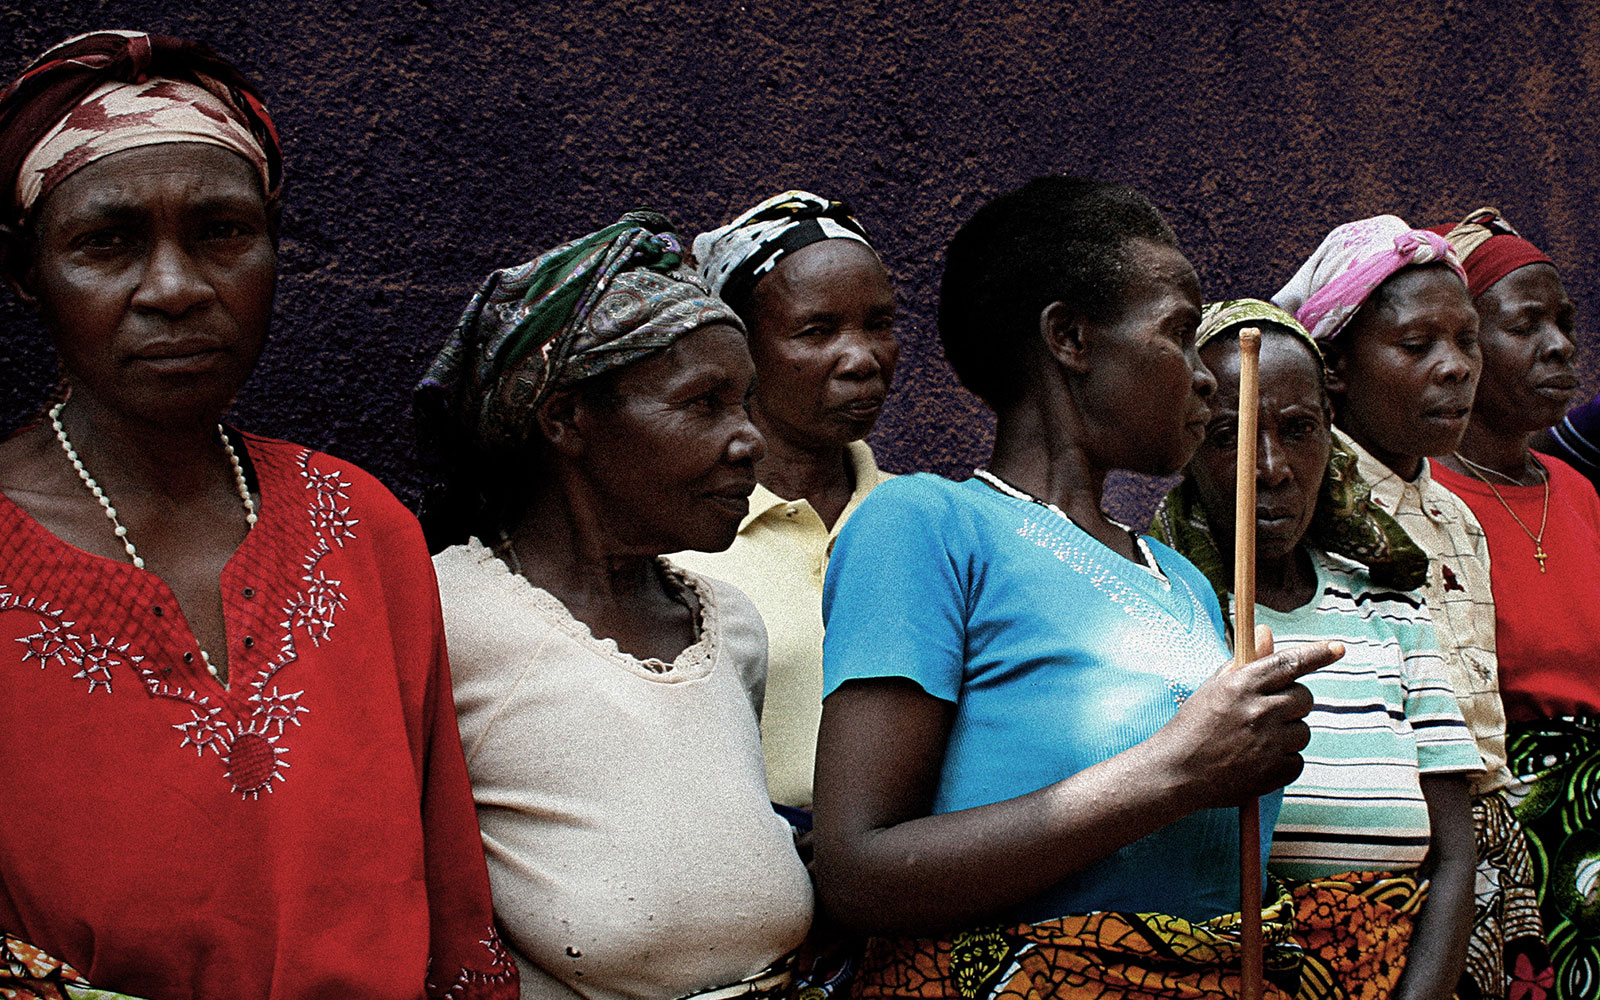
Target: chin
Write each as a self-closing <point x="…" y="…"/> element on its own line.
<point x="716" y="539"/>
<point x="183" y="410"/>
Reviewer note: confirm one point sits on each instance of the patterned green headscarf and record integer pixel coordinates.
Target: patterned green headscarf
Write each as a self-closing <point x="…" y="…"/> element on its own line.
<point x="1346" y="521"/>
<point x="600" y="302"/>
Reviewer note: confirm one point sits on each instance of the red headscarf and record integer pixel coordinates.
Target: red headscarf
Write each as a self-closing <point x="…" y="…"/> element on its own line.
<point x="58" y="81"/>
<point x="1489" y="248"/>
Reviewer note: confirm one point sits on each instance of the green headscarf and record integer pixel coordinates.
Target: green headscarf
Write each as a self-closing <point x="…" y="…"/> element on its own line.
<point x="600" y="302"/>
<point x="1346" y="521"/>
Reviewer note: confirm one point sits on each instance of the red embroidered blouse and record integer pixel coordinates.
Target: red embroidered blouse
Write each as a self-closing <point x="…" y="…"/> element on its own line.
<point x="306" y="831"/>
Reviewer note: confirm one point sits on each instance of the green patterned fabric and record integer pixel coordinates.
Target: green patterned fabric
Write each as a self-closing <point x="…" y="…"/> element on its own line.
<point x="600" y="302"/>
<point x="1220" y="317"/>
<point x="1346" y="521"/>
<point x="1556" y="796"/>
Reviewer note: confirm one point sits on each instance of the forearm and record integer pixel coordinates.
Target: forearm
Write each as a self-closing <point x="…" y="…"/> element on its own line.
<point x="1439" y="938"/>
<point x="886" y="865"/>
<point x="936" y="873"/>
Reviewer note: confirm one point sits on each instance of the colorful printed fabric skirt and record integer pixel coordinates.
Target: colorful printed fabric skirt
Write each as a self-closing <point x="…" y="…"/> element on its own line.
<point x="1506" y="954"/>
<point x="1328" y="939"/>
<point x="26" y="973"/>
<point x="1556" y="763"/>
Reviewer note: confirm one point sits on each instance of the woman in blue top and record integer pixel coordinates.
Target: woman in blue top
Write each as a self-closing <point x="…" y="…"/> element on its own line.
<point x="1021" y="726"/>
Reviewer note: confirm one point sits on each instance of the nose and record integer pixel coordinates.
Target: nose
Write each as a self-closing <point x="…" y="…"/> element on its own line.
<point x="746" y="444"/>
<point x="1204" y="382"/>
<point x="1558" y="345"/>
<point x="1272" y="465"/>
<point x="863" y="355"/>
<point x="171" y="282"/>
<point x="1459" y="364"/>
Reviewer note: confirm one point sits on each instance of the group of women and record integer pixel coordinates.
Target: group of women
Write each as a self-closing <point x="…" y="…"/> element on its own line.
<point x="691" y="699"/>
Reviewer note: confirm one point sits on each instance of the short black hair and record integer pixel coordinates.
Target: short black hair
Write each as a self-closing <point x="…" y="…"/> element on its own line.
<point x="1055" y="239"/>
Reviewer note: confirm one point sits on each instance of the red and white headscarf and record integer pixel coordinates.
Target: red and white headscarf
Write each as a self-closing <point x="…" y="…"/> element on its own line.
<point x="1489" y="249"/>
<point x="109" y="91"/>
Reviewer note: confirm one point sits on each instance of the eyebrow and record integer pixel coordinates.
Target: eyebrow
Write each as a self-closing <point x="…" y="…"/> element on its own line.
<point x="115" y="208"/>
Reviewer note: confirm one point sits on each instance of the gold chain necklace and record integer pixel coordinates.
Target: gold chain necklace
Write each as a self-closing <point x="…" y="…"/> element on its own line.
<point x="1544" y="519"/>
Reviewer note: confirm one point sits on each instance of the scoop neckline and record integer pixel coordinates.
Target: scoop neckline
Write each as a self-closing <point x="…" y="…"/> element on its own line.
<point x="694" y="662"/>
<point x="1151" y="570"/>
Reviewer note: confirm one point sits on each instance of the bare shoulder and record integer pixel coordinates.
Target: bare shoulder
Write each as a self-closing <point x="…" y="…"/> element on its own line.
<point x="32" y="467"/>
<point x="36" y="476"/>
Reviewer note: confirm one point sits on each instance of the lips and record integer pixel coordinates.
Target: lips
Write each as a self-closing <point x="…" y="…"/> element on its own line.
<point x="733" y="498"/>
<point x="862" y="407"/>
<point x="1448" y="413"/>
<point x="1557" y="386"/>
<point x="1273" y="521"/>
<point x="180" y="355"/>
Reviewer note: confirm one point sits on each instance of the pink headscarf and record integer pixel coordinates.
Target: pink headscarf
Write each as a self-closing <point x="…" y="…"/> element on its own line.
<point x="1351" y="263"/>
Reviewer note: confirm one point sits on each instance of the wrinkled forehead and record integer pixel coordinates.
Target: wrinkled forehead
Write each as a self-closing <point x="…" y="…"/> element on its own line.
<point x="133" y="183"/>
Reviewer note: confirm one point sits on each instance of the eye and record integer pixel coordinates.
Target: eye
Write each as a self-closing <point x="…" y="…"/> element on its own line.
<point x="101" y="240"/>
<point x="227" y="229"/>
<point x="1222" y="434"/>
<point x="1301" y="428"/>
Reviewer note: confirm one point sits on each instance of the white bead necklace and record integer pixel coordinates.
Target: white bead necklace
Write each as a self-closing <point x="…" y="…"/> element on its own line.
<point x="111" y="512"/>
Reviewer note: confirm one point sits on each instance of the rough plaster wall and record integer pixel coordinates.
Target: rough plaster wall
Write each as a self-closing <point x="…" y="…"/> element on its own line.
<point x="429" y="143"/>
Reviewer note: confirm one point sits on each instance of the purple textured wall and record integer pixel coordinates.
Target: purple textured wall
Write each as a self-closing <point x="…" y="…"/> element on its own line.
<point x="429" y="143"/>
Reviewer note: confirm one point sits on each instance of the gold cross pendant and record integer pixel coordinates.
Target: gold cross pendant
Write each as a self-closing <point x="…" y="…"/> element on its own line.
<point x="1539" y="554"/>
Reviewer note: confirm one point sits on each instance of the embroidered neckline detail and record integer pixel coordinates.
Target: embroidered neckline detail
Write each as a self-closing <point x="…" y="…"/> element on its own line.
<point x="248" y="744"/>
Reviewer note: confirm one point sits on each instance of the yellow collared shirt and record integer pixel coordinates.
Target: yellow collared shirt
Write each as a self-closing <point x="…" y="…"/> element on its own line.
<point x="778" y="560"/>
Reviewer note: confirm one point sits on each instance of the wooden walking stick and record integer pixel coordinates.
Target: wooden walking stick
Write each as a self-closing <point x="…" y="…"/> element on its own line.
<point x="1244" y="649"/>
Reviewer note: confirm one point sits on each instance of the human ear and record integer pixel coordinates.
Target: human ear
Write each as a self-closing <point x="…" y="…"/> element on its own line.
<point x="16" y="260"/>
<point x="561" y="421"/>
<point x="1335" y="359"/>
<point x="1066" y="336"/>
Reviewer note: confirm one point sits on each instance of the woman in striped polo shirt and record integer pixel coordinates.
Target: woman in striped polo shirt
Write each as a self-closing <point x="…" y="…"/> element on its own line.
<point x="1382" y="803"/>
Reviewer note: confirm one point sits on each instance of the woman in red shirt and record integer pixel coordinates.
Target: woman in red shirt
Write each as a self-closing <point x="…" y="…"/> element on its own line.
<point x="231" y="764"/>
<point x="1542" y="520"/>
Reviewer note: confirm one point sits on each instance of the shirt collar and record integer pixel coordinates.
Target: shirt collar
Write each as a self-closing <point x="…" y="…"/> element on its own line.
<point x="1393" y="493"/>
<point x="863" y="468"/>
<point x="761" y="501"/>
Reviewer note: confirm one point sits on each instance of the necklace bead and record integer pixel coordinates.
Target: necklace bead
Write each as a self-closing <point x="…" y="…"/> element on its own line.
<point x="117" y="527"/>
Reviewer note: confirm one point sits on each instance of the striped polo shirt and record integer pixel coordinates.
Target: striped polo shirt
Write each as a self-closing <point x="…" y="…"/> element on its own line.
<point x="1384" y="716"/>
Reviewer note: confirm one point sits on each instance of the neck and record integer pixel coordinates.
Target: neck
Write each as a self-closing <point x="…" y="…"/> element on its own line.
<point x="563" y="547"/>
<point x="1043" y="454"/>
<point x="1407" y="467"/>
<point x="1505" y="452"/>
<point x="821" y="475"/>
<point x="795" y="472"/>
<point x="1286" y="582"/>
<point x="175" y="460"/>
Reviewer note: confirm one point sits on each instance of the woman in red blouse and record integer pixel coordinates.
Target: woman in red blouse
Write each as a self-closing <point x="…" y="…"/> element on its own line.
<point x="231" y="765"/>
<point x="1542" y="521"/>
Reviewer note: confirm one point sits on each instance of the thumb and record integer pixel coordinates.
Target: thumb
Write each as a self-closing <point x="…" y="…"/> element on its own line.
<point x="1264" y="644"/>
